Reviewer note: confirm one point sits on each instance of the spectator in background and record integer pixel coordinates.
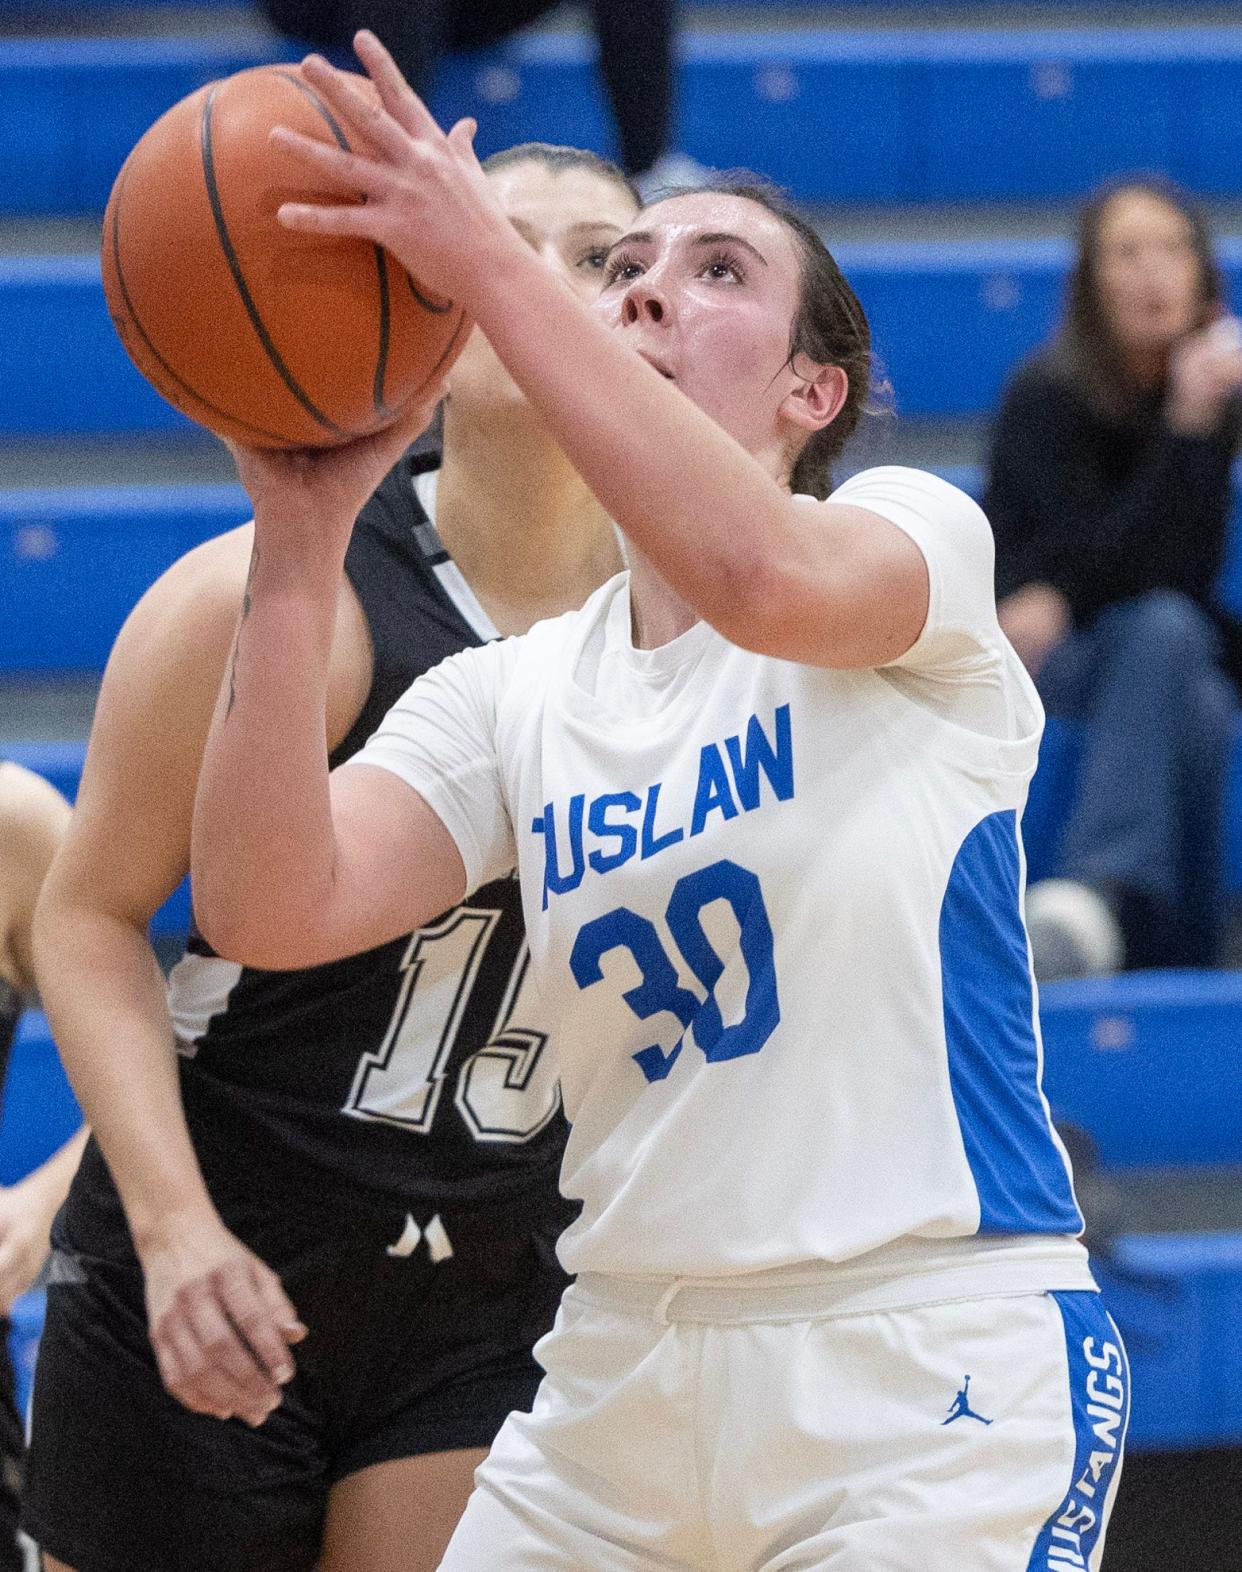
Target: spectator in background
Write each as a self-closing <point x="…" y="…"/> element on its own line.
<point x="1109" y="493"/>
<point x="33" y="817"/>
<point x="635" y="57"/>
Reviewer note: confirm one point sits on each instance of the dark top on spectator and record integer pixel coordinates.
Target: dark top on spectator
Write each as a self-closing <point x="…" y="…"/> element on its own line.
<point x="1104" y="512"/>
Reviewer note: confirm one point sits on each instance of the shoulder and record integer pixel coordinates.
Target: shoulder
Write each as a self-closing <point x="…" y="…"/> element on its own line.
<point x="918" y="502"/>
<point x="33" y="820"/>
<point x="192" y="607"/>
<point x="29" y="806"/>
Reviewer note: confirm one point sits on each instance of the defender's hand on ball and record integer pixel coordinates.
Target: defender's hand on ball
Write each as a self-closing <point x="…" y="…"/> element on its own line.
<point x="426" y="197"/>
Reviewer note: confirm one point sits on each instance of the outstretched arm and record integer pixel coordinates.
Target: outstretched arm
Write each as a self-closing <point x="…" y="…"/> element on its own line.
<point x="826" y="584"/>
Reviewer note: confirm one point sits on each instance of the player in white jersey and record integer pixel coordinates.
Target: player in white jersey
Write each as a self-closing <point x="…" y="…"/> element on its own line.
<point x="763" y="794"/>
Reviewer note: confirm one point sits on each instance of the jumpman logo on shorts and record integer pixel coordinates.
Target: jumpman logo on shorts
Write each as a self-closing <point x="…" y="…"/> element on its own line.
<point x="961" y="1409"/>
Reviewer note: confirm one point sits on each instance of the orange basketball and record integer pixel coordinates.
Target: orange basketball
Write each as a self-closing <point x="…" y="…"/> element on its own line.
<point x="271" y="337"/>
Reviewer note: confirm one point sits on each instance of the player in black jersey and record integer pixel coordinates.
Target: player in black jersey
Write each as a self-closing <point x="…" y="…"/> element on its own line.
<point x="33" y="817"/>
<point x="340" y="1197"/>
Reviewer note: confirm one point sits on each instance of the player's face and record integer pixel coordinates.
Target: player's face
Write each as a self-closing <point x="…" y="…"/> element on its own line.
<point x="570" y="218"/>
<point x="706" y="287"/>
<point x="1148" y="273"/>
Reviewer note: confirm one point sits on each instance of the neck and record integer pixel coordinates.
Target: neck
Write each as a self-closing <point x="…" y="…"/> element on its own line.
<point x="527" y="534"/>
<point x="658" y="614"/>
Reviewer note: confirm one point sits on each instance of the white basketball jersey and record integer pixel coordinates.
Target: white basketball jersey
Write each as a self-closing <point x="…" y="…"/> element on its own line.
<point x="780" y="907"/>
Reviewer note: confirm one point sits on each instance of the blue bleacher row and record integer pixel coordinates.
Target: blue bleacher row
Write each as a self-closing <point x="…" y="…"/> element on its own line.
<point x="864" y="115"/>
<point x="950" y="321"/>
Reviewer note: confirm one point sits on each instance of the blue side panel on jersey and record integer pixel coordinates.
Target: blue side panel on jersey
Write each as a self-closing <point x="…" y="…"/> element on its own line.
<point x="1099" y="1382"/>
<point x="993" y="1056"/>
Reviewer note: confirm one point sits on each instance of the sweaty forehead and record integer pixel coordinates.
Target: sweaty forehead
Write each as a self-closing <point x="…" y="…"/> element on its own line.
<point x="720" y="212"/>
<point x="551" y="199"/>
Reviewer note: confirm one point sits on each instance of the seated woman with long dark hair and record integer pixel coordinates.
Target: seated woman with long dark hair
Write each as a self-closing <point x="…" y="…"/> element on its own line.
<point x="1109" y="494"/>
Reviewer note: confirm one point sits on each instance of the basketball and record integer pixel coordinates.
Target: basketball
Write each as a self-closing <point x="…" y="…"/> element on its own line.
<point x="263" y="335"/>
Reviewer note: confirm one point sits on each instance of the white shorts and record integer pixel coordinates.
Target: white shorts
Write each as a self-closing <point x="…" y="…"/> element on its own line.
<point x="982" y="1435"/>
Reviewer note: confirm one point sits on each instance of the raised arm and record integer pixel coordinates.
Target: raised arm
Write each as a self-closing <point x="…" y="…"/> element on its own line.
<point x="293" y="867"/>
<point x="818" y="583"/>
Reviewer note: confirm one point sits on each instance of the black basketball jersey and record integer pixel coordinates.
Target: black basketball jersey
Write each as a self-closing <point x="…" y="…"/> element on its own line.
<point x="419" y="1074"/>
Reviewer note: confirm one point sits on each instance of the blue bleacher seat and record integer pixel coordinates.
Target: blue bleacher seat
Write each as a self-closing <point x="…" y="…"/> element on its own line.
<point x="74" y="561"/>
<point x="1176" y="1299"/>
<point x="879" y="115"/>
<point x="1148" y="1064"/>
<point x="39" y="1111"/>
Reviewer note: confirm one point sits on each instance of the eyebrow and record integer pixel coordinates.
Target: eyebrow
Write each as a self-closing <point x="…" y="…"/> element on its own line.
<point x="715" y="237"/>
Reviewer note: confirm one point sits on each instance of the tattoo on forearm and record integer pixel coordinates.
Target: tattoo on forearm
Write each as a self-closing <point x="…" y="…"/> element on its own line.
<point x="241" y="623"/>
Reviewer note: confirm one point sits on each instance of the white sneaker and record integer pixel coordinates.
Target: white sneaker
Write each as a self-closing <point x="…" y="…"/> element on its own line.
<point x="669" y="173"/>
<point x="1073" y="931"/>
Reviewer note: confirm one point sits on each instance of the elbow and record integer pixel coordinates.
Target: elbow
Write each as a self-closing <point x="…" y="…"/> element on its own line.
<point x="269" y="941"/>
<point x="752" y="605"/>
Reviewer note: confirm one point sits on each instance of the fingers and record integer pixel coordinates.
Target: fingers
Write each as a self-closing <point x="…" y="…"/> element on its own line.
<point x="334" y="168"/>
<point x="396" y="94"/>
<point x="188" y="1374"/>
<point x="222" y="1347"/>
<point x="284" y="1318"/>
<point x="309" y="218"/>
<point x="461" y="140"/>
<point x="364" y="116"/>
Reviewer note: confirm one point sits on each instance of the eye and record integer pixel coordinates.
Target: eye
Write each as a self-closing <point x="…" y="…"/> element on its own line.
<point x="594" y="259"/>
<point x="723" y="266"/>
<point x="623" y="267"/>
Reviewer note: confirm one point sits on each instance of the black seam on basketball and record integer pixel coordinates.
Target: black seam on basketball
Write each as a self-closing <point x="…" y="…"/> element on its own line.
<point x="448" y="350"/>
<point x="173" y="376"/>
<point x="428" y="305"/>
<point x="385" y="304"/>
<point x="385" y="322"/>
<point x="230" y="256"/>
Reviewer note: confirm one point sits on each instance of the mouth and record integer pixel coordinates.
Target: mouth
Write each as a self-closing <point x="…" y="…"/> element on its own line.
<point x="657" y="365"/>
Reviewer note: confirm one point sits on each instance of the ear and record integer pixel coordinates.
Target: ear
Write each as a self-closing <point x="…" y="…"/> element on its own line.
<point x="817" y="398"/>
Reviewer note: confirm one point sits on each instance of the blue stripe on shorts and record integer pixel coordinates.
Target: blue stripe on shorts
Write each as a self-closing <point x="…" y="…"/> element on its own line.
<point x="1099" y="1379"/>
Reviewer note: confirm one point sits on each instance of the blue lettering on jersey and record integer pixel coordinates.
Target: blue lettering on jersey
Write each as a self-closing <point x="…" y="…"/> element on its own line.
<point x="553" y="879"/>
<point x="653" y="843"/>
<point x="625" y="834"/>
<point x="713" y="790"/>
<point x="727" y="788"/>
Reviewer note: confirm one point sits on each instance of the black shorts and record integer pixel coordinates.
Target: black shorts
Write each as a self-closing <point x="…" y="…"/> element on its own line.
<point x="11" y="1449"/>
<point x="404" y="1356"/>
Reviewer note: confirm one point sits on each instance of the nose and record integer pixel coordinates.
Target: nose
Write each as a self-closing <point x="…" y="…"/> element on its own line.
<point x="643" y="303"/>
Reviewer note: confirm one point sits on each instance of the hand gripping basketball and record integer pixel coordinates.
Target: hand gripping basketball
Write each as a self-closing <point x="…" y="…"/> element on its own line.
<point x="268" y="337"/>
<point x="427" y="200"/>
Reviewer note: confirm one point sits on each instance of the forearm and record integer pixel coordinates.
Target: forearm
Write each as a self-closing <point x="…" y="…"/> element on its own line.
<point x="263" y="844"/>
<point x="105" y="999"/>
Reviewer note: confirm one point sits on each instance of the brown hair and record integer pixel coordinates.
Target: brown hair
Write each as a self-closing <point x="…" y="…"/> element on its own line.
<point x="558" y="159"/>
<point x="830" y="327"/>
<point x="1085" y="349"/>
